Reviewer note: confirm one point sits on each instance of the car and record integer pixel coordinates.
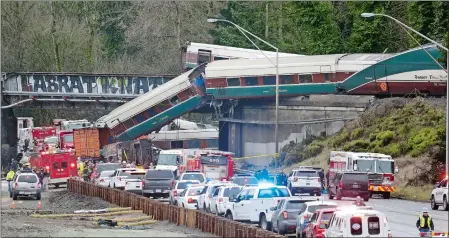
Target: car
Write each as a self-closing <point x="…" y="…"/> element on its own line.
<point x="439" y="196"/>
<point x="189" y="197"/>
<point x="104" y="178"/>
<point x="206" y="195"/>
<point x="158" y="183"/>
<point x="360" y="223"/>
<point x="25" y="183"/>
<point x="253" y="204"/>
<point x="220" y="198"/>
<point x="306" y="212"/>
<point x="349" y="184"/>
<point x="245" y="180"/>
<point x="284" y="215"/>
<point x="179" y="188"/>
<point x="100" y="167"/>
<point x="119" y="176"/>
<point x="135" y="181"/>
<point x="318" y="221"/>
<point x="305" y="181"/>
<point x="193" y="176"/>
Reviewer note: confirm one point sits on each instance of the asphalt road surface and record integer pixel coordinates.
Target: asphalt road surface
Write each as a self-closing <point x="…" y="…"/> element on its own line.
<point x="402" y="214"/>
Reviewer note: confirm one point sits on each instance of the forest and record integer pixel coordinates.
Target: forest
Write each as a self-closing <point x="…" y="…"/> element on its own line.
<point x="147" y="37"/>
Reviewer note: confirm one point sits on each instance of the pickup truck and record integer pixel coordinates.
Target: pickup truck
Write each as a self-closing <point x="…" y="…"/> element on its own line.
<point x="253" y="204"/>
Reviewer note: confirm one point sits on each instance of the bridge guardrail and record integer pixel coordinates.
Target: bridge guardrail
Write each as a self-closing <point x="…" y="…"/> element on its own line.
<point x="206" y="222"/>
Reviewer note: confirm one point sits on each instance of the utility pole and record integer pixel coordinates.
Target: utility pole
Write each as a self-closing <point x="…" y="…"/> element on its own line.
<point x="266" y="20"/>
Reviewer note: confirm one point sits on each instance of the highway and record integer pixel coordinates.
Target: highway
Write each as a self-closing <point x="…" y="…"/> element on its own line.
<point x="402" y="214"/>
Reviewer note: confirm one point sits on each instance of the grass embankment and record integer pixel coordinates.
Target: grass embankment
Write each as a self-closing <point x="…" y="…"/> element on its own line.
<point x="410" y="130"/>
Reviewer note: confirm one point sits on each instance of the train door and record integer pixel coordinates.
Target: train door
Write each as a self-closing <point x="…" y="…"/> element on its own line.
<point x="380" y="79"/>
<point x="326" y="70"/>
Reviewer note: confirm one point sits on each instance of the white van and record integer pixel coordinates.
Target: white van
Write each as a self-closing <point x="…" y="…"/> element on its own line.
<point x="358" y="223"/>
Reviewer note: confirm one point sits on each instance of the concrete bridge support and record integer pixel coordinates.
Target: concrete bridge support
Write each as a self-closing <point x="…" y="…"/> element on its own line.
<point x="251" y="130"/>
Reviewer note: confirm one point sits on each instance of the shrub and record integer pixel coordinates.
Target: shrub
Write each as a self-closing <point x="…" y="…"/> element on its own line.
<point x="385" y="137"/>
<point x="357" y="133"/>
<point x="357" y="146"/>
<point x="422" y="141"/>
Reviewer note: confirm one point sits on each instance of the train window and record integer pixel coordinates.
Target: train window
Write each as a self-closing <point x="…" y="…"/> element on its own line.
<point x="204" y="56"/>
<point x="179" y="144"/>
<point x="175" y="100"/>
<point x="251" y="81"/>
<point x="269" y="80"/>
<point x="287" y="79"/>
<point x="305" y="78"/>
<point x="151" y="112"/>
<point x="129" y="123"/>
<point x="164" y="105"/>
<point x="232" y="82"/>
<point x="118" y="129"/>
<point x="141" y="117"/>
<point x="326" y="77"/>
<point x="220" y="58"/>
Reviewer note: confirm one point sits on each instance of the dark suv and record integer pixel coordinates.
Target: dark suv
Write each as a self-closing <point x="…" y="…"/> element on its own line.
<point x="349" y="184"/>
<point x="158" y="183"/>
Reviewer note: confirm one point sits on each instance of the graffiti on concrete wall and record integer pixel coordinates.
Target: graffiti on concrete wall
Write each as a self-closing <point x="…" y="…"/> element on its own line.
<point x="84" y="84"/>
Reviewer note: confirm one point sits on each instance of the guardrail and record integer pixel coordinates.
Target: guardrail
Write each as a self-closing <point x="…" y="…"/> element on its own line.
<point x="206" y="222"/>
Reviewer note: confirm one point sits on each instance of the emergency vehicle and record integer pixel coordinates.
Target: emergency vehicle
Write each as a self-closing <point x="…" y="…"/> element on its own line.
<point x="380" y="169"/>
<point x="61" y="165"/>
<point x="214" y="164"/>
<point x="34" y="136"/>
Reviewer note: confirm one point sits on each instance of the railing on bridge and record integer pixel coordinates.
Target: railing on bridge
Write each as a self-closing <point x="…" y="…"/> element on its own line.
<point x="80" y="85"/>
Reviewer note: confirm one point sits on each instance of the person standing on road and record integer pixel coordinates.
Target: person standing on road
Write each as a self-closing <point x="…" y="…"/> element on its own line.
<point x="321" y="174"/>
<point x="265" y="175"/>
<point x="425" y="223"/>
<point x="13" y="165"/>
<point x="359" y="202"/>
<point x="40" y="175"/>
<point x="9" y="178"/>
<point x="327" y="178"/>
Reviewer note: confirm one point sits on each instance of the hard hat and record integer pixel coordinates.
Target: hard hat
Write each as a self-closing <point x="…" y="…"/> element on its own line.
<point x="424" y="210"/>
<point x="124" y="162"/>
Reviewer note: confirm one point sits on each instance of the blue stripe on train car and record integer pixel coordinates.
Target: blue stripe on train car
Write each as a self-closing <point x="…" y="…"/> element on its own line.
<point x="193" y="144"/>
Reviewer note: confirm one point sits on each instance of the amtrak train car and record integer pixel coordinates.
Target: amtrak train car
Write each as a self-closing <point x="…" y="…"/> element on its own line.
<point x="158" y="107"/>
<point x="199" y="53"/>
<point x="353" y="74"/>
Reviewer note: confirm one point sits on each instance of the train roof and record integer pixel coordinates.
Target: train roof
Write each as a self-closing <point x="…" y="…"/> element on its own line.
<point x="310" y="64"/>
<point x="229" y="51"/>
<point x="140" y="103"/>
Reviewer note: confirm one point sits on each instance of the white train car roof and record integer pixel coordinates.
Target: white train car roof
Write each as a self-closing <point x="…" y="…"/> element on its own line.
<point x="201" y="134"/>
<point x="293" y="65"/>
<point x="149" y="99"/>
<point x="234" y="52"/>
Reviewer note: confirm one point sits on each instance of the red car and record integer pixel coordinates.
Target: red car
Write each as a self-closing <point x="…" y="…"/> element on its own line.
<point x="318" y="221"/>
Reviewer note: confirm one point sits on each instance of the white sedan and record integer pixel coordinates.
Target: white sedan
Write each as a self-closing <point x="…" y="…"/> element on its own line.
<point x="221" y="198"/>
<point x="189" y="197"/>
<point x="104" y="178"/>
<point x="118" y="179"/>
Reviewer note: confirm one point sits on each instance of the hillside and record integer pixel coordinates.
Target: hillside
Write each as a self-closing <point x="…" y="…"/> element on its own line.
<point x="412" y="131"/>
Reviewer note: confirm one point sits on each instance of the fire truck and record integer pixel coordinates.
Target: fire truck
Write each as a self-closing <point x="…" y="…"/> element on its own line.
<point x="380" y="169"/>
<point x="215" y="165"/>
<point x="32" y="138"/>
<point x="60" y="164"/>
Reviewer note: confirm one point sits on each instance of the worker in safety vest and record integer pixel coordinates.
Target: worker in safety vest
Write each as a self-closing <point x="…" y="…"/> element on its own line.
<point x="424" y="223"/>
<point x="80" y="167"/>
<point x="9" y="178"/>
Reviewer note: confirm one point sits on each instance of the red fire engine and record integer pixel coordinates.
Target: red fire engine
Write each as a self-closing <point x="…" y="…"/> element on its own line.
<point x="61" y="165"/>
<point x="217" y="165"/>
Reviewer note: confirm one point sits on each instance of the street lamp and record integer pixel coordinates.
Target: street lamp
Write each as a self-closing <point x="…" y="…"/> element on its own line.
<point x="243" y="31"/>
<point x="366" y="14"/>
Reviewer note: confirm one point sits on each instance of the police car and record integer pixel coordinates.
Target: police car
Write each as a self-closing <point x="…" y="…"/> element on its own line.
<point x="439" y="196"/>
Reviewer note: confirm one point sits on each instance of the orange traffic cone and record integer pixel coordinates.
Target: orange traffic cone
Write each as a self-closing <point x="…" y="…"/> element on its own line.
<point x="39" y="205"/>
<point x="13" y="205"/>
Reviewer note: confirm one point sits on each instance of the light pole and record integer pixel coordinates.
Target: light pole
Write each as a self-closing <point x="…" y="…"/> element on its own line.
<point x="447" y="71"/>
<point x="243" y="31"/>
